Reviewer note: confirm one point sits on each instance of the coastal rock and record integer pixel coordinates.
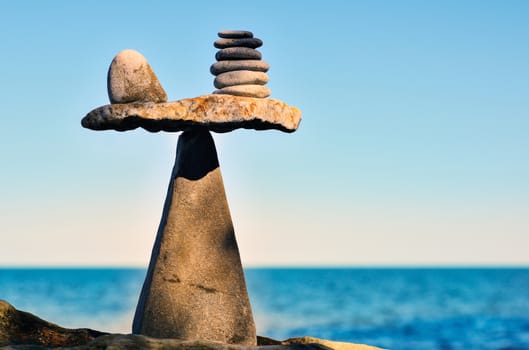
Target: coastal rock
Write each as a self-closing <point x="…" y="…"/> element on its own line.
<point x="19" y="327"/>
<point x="217" y="112"/>
<point x="240" y="77"/>
<point x="229" y="34"/>
<point x="228" y="66"/>
<point x="256" y="91"/>
<point x="335" y="345"/>
<point x="131" y="79"/>
<point x="252" y="43"/>
<point x="195" y="286"/>
<point x="238" y="53"/>
<point x="142" y="342"/>
<point x="23" y="331"/>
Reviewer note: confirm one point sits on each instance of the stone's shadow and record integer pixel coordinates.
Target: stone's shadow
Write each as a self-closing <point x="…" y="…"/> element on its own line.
<point x="194" y="158"/>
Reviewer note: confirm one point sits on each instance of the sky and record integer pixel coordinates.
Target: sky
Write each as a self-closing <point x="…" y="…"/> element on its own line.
<point x="413" y="148"/>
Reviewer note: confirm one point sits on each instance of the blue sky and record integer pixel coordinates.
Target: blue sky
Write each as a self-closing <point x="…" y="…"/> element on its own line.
<point x="413" y="148"/>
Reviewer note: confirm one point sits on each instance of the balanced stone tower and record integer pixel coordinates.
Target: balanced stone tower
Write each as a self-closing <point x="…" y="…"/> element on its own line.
<point x="239" y="69"/>
<point x="195" y="287"/>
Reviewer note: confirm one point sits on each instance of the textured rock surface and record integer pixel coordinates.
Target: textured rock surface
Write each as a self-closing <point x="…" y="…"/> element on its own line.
<point x="219" y="113"/>
<point x="195" y="286"/>
<point x="238" y="53"/>
<point x="131" y="79"/>
<point x="257" y="91"/>
<point x="140" y="342"/>
<point x="19" y="327"/>
<point x="245" y="42"/>
<point x="327" y="344"/>
<point x="228" y="66"/>
<point x="240" y="77"/>
<point x="235" y="34"/>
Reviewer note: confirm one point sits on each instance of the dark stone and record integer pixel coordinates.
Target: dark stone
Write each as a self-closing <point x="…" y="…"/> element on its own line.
<point x="238" y="53"/>
<point x="235" y="34"/>
<point x="228" y="66"/>
<point x="19" y="327"/>
<point x="253" y="43"/>
<point x="195" y="286"/>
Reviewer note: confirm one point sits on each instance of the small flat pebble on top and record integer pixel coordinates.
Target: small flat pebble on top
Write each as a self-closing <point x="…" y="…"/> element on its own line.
<point x="238" y="53"/>
<point x="228" y="66"/>
<point x="244" y="42"/>
<point x="235" y="34"/>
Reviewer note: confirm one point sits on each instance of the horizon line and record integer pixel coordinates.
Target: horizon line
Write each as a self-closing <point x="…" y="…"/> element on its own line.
<point x="282" y="266"/>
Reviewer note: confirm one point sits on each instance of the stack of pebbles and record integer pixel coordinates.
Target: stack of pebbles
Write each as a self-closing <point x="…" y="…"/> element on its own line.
<point x="239" y="70"/>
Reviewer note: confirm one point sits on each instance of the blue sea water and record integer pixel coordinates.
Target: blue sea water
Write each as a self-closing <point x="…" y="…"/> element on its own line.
<point x="390" y="308"/>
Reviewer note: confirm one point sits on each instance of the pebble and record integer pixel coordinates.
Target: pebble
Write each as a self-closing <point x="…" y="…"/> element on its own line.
<point x="131" y="79"/>
<point x="238" y="53"/>
<point x="256" y="91"/>
<point x="253" y="43"/>
<point x="239" y="70"/>
<point x="228" y="66"/>
<point x="240" y="77"/>
<point x="229" y="34"/>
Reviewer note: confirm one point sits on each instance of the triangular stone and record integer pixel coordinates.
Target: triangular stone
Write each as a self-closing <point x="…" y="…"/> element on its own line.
<point x="195" y="287"/>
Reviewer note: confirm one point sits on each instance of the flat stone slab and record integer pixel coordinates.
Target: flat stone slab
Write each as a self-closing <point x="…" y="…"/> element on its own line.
<point x="217" y="112"/>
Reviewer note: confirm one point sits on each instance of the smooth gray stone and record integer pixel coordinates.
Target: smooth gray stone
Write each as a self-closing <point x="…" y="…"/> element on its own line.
<point x="238" y="53"/>
<point x="131" y="79"/>
<point x="244" y="42"/>
<point x="235" y="34"/>
<point x="240" y="77"/>
<point x="228" y="66"/>
<point x="195" y="286"/>
<point x="256" y="91"/>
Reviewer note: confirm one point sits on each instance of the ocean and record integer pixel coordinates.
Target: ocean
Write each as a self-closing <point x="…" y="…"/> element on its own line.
<point x="393" y="308"/>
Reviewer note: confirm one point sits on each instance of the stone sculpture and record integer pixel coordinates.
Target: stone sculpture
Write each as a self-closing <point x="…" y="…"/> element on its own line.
<point x="195" y="287"/>
<point x="239" y="69"/>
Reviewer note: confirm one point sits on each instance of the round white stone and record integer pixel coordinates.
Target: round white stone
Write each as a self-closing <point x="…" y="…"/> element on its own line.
<point x="131" y="79"/>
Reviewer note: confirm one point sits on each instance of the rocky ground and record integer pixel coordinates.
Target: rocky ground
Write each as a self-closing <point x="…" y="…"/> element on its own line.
<point x="24" y="331"/>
